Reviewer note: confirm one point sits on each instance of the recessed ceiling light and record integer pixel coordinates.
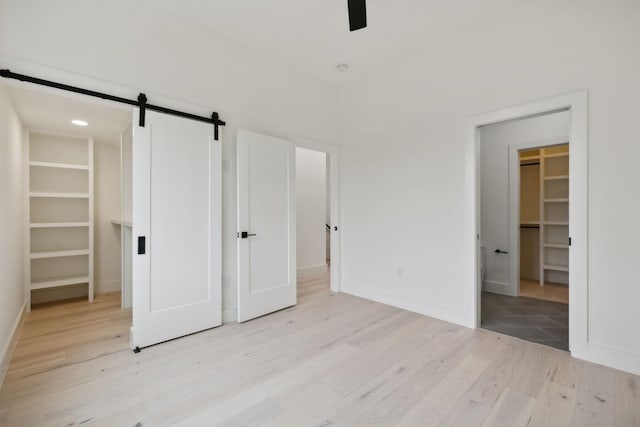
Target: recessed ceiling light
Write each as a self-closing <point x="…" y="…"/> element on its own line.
<point x="342" y="67"/>
<point x="79" y="122"/>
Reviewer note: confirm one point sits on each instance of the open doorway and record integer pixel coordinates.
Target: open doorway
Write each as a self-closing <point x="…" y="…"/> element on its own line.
<point x="313" y="219"/>
<point x="66" y="187"/>
<point x="268" y="222"/>
<point x="72" y="251"/>
<point x="544" y="223"/>
<point x="524" y="167"/>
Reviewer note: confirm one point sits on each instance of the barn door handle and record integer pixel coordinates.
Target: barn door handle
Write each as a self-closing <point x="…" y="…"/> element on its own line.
<point x="245" y="234"/>
<point x="141" y="245"/>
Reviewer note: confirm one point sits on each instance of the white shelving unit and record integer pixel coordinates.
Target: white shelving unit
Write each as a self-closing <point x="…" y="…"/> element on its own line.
<point x="554" y="211"/>
<point x="59" y="211"/>
<point x="554" y="214"/>
<point x="548" y="210"/>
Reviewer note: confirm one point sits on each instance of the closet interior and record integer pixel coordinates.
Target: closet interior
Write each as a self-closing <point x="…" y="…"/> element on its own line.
<point x="59" y="212"/>
<point x="544" y="215"/>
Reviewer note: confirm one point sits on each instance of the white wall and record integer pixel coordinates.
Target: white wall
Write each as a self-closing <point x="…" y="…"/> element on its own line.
<point x="494" y="180"/>
<point x="247" y="89"/>
<point x="12" y="294"/>
<point x="107" y="202"/>
<point x="405" y="165"/>
<point x="311" y="211"/>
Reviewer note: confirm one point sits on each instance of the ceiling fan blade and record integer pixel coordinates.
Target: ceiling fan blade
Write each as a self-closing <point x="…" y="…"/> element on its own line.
<point x="357" y="14"/>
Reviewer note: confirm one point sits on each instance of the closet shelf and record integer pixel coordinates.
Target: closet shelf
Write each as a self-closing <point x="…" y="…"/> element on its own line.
<point x="58" y="254"/>
<point x="58" y="224"/>
<point x="556" y="245"/>
<point x="65" y="281"/>
<point x="58" y="165"/>
<point x="556" y="267"/>
<point x="121" y="222"/>
<point x="529" y="158"/>
<point x="556" y="223"/>
<point x="60" y="195"/>
<point x="556" y="177"/>
<point x="561" y="200"/>
<point x="550" y="156"/>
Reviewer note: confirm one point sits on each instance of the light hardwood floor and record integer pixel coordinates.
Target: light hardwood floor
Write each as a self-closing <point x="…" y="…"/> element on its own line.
<point x="330" y="360"/>
<point x="549" y="291"/>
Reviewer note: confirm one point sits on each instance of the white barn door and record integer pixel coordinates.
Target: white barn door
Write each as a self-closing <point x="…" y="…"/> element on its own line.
<point x="266" y="225"/>
<point x="176" y="216"/>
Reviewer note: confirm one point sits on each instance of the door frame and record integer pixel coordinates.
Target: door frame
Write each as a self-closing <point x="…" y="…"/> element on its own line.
<point x="514" y="202"/>
<point x="333" y="152"/>
<point x="576" y="103"/>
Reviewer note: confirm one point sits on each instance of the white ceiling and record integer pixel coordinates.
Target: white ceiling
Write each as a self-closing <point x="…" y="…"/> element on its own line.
<point x="53" y="111"/>
<point x="314" y="35"/>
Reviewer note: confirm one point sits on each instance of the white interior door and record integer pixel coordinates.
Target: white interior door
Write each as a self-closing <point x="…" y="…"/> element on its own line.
<point x="267" y="214"/>
<point x="176" y="217"/>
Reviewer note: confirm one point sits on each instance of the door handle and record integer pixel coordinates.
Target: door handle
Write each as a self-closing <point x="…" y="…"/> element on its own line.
<point x="500" y="251"/>
<point x="244" y="234"/>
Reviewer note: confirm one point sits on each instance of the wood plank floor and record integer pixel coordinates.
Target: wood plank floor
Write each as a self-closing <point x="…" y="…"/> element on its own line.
<point x="549" y="291"/>
<point x="330" y="360"/>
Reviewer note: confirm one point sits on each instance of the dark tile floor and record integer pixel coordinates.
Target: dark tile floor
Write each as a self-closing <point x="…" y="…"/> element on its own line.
<point x="536" y="320"/>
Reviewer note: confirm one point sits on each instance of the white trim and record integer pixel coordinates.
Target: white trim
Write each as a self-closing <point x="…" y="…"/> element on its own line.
<point x="26" y="141"/>
<point x="426" y="308"/>
<point x="91" y="221"/>
<point x="10" y="345"/>
<point x="577" y="104"/>
<point x="309" y="144"/>
<point x="230" y="315"/>
<point x="311" y="269"/>
<point x="497" y="287"/>
<point x="334" y="193"/>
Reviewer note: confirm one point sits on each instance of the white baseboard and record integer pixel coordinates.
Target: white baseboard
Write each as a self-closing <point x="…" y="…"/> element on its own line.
<point x="10" y="345"/>
<point x="608" y="356"/>
<point x="312" y="269"/>
<point x="497" y="287"/>
<point x="230" y="315"/>
<point x="425" y="308"/>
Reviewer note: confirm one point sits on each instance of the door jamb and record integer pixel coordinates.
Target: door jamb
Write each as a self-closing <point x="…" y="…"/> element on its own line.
<point x="333" y="152"/>
<point x="576" y="103"/>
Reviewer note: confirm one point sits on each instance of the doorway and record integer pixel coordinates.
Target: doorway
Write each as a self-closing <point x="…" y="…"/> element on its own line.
<point x="505" y="254"/>
<point x="332" y="205"/>
<point x="544" y="223"/>
<point x="267" y="223"/>
<point x="313" y="216"/>
<point x="73" y="194"/>
<point x="71" y="250"/>
<point x="525" y="172"/>
<point x="171" y="128"/>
